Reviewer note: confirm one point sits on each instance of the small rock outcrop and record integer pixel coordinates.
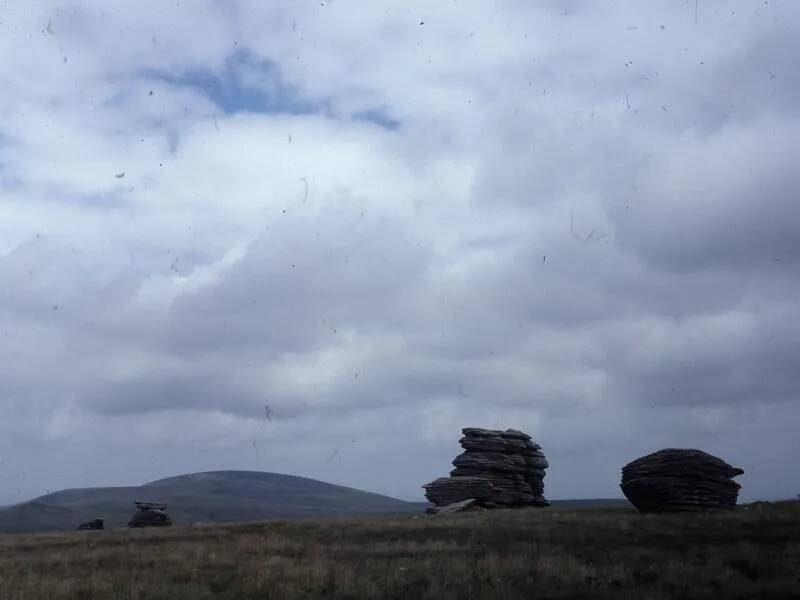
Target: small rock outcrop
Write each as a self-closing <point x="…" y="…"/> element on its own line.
<point x="676" y="480"/>
<point x="150" y="514"/>
<point x="90" y="525"/>
<point x="497" y="469"/>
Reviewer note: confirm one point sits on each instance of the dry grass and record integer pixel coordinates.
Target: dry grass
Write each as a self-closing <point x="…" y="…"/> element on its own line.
<point x="505" y="554"/>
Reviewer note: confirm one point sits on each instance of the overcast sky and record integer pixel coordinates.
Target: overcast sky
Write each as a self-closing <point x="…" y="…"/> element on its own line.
<point x="321" y="237"/>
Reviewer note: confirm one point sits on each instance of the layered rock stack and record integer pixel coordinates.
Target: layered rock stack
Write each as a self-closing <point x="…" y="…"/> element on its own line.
<point x="497" y="469"/>
<point x="150" y="514"/>
<point x="674" y="480"/>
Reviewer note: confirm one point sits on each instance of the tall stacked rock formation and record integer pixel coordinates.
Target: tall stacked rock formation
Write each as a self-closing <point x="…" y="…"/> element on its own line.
<point x="497" y="469"/>
<point x="674" y="480"/>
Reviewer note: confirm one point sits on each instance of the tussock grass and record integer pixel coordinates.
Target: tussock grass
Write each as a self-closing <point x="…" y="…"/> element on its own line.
<point x="504" y="554"/>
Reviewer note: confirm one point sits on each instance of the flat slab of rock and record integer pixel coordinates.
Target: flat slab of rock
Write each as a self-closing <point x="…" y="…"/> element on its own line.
<point x="678" y="480"/>
<point x="468" y="505"/>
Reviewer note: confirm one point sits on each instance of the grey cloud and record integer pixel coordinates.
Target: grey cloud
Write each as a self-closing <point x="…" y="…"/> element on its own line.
<point x="398" y="326"/>
<point x="175" y="388"/>
<point x="302" y="282"/>
<point x="759" y="77"/>
<point x="725" y="202"/>
<point x="745" y="364"/>
<point x="301" y="285"/>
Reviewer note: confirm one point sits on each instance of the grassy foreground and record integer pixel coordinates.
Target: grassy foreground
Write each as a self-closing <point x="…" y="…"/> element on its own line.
<point x="528" y="553"/>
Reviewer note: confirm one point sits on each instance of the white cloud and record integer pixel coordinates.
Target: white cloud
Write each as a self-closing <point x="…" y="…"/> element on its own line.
<point x="268" y="245"/>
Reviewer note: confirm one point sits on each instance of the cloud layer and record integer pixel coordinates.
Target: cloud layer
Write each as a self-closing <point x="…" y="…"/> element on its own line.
<point x="322" y="239"/>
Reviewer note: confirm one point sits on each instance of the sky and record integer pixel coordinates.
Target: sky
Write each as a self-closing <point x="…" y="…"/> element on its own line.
<point x="321" y="237"/>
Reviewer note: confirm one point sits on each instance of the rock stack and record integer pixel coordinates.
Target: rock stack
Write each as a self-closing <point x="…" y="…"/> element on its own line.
<point x="497" y="469"/>
<point x="674" y="480"/>
<point x="150" y="514"/>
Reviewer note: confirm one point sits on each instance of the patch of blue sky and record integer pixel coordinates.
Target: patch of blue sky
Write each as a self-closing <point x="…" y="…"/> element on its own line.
<point x="248" y="83"/>
<point x="245" y="84"/>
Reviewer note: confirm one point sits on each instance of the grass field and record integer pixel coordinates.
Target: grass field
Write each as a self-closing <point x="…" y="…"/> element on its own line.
<point x="532" y="553"/>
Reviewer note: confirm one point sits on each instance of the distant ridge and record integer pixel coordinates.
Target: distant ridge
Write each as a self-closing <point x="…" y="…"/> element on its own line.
<point x="590" y="504"/>
<point x="223" y="497"/>
<point x="211" y="497"/>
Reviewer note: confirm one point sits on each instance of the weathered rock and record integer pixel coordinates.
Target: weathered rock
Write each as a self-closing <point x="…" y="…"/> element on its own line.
<point x="676" y="480"/>
<point x="497" y="469"/>
<point x="449" y="490"/>
<point x="491" y="461"/>
<point x="150" y="518"/>
<point x="150" y="514"/>
<point x="468" y="505"/>
<point x="90" y="525"/>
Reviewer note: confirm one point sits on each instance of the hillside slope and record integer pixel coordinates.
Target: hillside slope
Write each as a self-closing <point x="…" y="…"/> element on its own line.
<point x="217" y="496"/>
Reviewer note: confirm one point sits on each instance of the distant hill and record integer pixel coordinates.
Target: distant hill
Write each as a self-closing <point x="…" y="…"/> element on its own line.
<point x="222" y="497"/>
<point x="590" y="504"/>
<point x="216" y="497"/>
